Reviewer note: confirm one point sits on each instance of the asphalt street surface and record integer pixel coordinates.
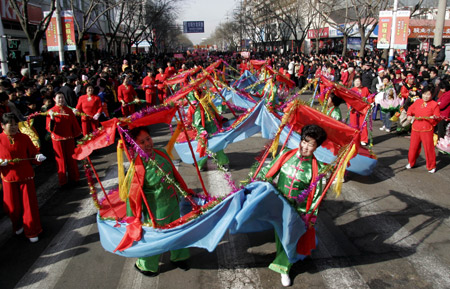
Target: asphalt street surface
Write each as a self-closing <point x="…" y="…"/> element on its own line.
<point x="386" y="230"/>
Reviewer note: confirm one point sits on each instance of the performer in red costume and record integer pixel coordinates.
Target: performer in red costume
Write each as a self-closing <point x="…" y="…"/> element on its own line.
<point x="170" y="70"/>
<point x="17" y="152"/>
<point x="91" y="105"/>
<point x="126" y="94"/>
<point x="425" y="115"/>
<point x="149" y="86"/>
<point x="63" y="126"/>
<point x="357" y="119"/>
<point x="160" y="78"/>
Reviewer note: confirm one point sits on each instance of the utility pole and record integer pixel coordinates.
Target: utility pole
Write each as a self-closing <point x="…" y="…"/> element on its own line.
<point x="3" y="49"/>
<point x="59" y="31"/>
<point x="240" y="26"/>
<point x="394" y="24"/>
<point x="439" y="23"/>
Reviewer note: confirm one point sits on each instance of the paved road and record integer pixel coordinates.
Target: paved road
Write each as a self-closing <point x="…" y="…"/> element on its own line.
<point x="387" y="230"/>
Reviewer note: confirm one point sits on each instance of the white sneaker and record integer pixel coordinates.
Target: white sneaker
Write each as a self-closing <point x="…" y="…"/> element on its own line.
<point x="20" y="231"/>
<point x="382" y="128"/>
<point x="285" y="280"/>
<point x="408" y="166"/>
<point x="432" y="171"/>
<point x="387" y="129"/>
<point x="34" y="239"/>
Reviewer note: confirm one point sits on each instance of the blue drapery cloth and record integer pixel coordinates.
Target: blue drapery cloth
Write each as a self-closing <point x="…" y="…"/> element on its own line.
<point x="257" y="207"/>
<point x="261" y="120"/>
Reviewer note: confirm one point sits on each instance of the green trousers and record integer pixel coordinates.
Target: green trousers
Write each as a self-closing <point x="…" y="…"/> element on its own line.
<point x="222" y="159"/>
<point x="152" y="263"/>
<point x="281" y="263"/>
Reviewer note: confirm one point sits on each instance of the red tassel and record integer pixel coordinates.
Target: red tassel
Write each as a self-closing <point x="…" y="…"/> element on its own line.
<point x="307" y="242"/>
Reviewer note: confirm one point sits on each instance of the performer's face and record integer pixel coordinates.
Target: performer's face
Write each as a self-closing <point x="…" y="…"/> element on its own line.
<point x="90" y="90"/>
<point x="59" y="99"/>
<point x="426" y="96"/>
<point x="145" y="142"/>
<point x="10" y="128"/>
<point x="308" y="146"/>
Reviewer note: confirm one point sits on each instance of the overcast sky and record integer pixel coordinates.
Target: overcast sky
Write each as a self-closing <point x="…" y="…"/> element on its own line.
<point x="212" y="12"/>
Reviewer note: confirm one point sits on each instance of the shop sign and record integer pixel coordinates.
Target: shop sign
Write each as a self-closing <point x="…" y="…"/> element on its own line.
<point x="318" y="33"/>
<point x="427" y="31"/>
<point x="8" y="14"/>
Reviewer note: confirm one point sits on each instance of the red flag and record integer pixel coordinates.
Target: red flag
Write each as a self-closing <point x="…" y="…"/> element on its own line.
<point x="338" y="134"/>
<point x="307" y="242"/>
<point x="257" y="64"/>
<point x="162" y="116"/>
<point x="101" y="138"/>
<point x="350" y="96"/>
<point x="134" y="229"/>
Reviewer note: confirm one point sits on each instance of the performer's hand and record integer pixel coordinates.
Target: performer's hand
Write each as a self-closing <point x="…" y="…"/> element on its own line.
<point x="40" y="158"/>
<point x="137" y="99"/>
<point x="3" y="163"/>
<point x="51" y="113"/>
<point x="96" y="116"/>
<point x="75" y="111"/>
<point x="123" y="102"/>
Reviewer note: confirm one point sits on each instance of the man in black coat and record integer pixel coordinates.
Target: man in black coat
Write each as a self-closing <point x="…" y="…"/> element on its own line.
<point x="367" y="75"/>
<point x="69" y="94"/>
<point x="440" y="57"/>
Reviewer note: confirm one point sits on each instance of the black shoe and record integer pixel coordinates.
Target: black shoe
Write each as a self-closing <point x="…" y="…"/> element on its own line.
<point x="146" y="273"/>
<point x="183" y="265"/>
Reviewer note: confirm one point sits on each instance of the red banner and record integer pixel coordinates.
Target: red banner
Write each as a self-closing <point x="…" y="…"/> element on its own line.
<point x="68" y="27"/>
<point x="401" y="29"/>
<point x="51" y="34"/>
<point x="384" y="29"/>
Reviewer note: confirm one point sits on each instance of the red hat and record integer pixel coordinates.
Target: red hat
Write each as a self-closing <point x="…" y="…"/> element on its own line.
<point x="380" y="69"/>
<point x="410" y="76"/>
<point x="398" y="71"/>
<point x="344" y="65"/>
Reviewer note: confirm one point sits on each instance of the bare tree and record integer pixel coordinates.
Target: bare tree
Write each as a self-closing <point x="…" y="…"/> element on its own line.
<point x="111" y="30"/>
<point x="133" y="23"/>
<point x="225" y="35"/>
<point x="338" y="15"/>
<point x="291" y="19"/>
<point x="34" y="33"/>
<point x="248" y="27"/>
<point x="90" y="12"/>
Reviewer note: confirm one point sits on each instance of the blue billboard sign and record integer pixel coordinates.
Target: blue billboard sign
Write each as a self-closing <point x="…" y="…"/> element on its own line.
<point x="193" y="27"/>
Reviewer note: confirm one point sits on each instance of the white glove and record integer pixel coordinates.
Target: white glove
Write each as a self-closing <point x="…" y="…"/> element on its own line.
<point x="51" y="113"/>
<point x="40" y="158"/>
<point x="75" y="111"/>
<point x="96" y="116"/>
<point x="3" y="163"/>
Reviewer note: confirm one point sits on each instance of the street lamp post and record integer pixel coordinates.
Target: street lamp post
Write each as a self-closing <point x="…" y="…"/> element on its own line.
<point x="394" y="24"/>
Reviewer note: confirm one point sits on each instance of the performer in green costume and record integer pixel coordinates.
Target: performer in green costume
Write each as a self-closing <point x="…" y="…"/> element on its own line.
<point x="297" y="169"/>
<point x="161" y="198"/>
<point x="206" y="120"/>
<point x="333" y="109"/>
